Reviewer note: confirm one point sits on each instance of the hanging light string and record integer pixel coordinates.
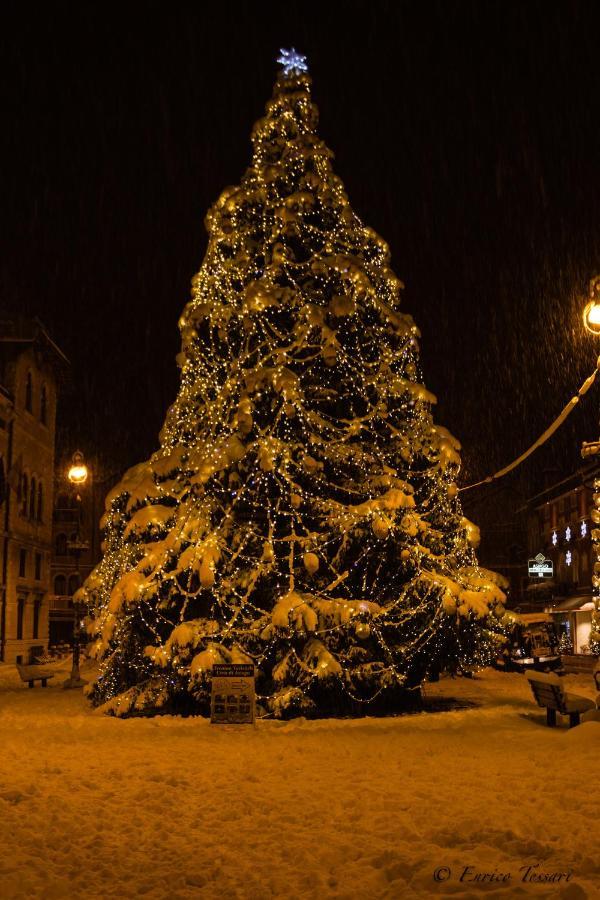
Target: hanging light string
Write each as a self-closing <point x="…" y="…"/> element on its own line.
<point x="543" y="437"/>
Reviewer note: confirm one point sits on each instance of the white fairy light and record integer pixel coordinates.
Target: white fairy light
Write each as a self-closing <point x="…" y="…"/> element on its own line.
<point x="568" y="557"/>
<point x="554" y="538"/>
<point x="583" y="529"/>
<point x="568" y="533"/>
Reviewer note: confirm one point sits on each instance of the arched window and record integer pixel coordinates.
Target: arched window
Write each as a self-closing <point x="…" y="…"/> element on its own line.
<point x="29" y="393"/>
<point x="24" y="493"/>
<point x="61" y="545"/>
<point x="44" y="405"/>
<point x="73" y="584"/>
<point x="32" y="498"/>
<point x="60" y="585"/>
<point x="40" y="502"/>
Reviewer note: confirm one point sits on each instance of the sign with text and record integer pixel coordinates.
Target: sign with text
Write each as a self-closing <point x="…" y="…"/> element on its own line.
<point x="233" y="696"/>
<point x="540" y="567"/>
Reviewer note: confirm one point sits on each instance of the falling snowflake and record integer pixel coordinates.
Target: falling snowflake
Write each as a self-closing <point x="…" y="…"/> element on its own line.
<point x="293" y="62"/>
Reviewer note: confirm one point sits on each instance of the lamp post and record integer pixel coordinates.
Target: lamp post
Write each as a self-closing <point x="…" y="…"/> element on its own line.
<point x="591" y="320"/>
<point x="77" y="475"/>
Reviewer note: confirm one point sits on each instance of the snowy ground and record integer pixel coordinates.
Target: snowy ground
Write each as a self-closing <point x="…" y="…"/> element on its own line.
<point x="170" y="808"/>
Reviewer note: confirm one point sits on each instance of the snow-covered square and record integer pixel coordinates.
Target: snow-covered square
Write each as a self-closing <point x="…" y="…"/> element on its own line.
<point x="168" y="807"/>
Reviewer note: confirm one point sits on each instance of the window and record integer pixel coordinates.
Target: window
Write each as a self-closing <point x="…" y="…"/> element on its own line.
<point x="29" y="393"/>
<point x="40" y="502"/>
<point x="36" y="618"/>
<point x="2" y="482"/>
<point x="73" y="584"/>
<point x="44" y="405"/>
<point x="22" y="562"/>
<point x="24" y="494"/>
<point x="32" y="498"/>
<point x="60" y="585"/>
<point x="38" y="567"/>
<point x="20" y="617"/>
<point x="61" y="545"/>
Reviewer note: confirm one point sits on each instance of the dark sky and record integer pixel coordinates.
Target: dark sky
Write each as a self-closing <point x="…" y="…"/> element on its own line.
<point x="468" y="136"/>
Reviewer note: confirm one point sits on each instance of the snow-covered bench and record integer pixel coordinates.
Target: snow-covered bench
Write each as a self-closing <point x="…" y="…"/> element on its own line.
<point x="31" y="674"/>
<point x="549" y="694"/>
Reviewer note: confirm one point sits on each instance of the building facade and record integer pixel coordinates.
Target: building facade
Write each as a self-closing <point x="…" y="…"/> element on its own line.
<point x="559" y="536"/>
<point x="75" y="541"/>
<point x="31" y="367"/>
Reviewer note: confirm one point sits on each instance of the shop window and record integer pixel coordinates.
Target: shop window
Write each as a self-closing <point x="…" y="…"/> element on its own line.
<point x="20" y="617"/>
<point x="61" y="545"/>
<point x="38" y="567"/>
<point x="60" y="585"/>
<point x="36" y="618"/>
<point x="22" y="562"/>
<point x="32" y="498"/>
<point x="44" y="405"/>
<point x="29" y="393"/>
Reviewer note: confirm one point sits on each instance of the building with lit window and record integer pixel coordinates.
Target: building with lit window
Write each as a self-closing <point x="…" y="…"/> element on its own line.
<point x="559" y="532"/>
<point x="31" y="367"/>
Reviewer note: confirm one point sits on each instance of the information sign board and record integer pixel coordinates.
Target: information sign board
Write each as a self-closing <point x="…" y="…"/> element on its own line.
<point x="233" y="694"/>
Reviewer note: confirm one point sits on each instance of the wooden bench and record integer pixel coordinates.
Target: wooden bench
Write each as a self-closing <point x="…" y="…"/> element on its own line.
<point x="549" y="694"/>
<point x="31" y="674"/>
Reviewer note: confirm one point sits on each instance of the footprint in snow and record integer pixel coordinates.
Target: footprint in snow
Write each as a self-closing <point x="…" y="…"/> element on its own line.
<point x="13" y="797"/>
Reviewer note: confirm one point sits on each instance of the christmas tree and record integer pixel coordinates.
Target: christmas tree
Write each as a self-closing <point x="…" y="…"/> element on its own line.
<point x="301" y="513"/>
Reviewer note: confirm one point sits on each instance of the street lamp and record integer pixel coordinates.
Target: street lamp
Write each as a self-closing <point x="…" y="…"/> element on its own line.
<point x="77" y="475"/>
<point x="591" y="313"/>
<point x="591" y="320"/>
<point x="78" y="471"/>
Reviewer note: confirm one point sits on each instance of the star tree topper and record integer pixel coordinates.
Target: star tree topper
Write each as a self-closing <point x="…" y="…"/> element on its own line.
<point x="293" y="62"/>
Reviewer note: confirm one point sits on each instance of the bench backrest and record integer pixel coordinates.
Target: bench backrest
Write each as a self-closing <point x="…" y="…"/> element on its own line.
<point x="547" y="691"/>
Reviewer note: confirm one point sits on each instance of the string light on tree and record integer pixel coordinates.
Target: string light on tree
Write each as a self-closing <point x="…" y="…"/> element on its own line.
<point x="301" y="513"/>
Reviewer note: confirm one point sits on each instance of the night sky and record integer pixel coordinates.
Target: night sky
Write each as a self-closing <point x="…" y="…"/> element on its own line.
<point x="467" y="134"/>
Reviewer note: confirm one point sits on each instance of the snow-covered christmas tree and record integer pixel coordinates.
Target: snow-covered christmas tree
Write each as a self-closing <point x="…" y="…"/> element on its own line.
<point x="302" y="511"/>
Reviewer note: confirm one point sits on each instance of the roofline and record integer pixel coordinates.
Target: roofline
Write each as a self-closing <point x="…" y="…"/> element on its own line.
<point x="579" y="473"/>
<point x="42" y="331"/>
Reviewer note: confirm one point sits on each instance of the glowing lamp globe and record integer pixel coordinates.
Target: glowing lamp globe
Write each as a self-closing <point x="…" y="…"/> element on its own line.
<point x="78" y="471"/>
<point x="591" y="317"/>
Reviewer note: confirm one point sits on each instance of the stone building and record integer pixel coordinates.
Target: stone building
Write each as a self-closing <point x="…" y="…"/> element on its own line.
<point x="31" y="367"/>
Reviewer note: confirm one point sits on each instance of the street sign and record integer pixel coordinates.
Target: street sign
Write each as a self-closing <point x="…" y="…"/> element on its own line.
<point x="540" y="567"/>
<point x="232" y="700"/>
